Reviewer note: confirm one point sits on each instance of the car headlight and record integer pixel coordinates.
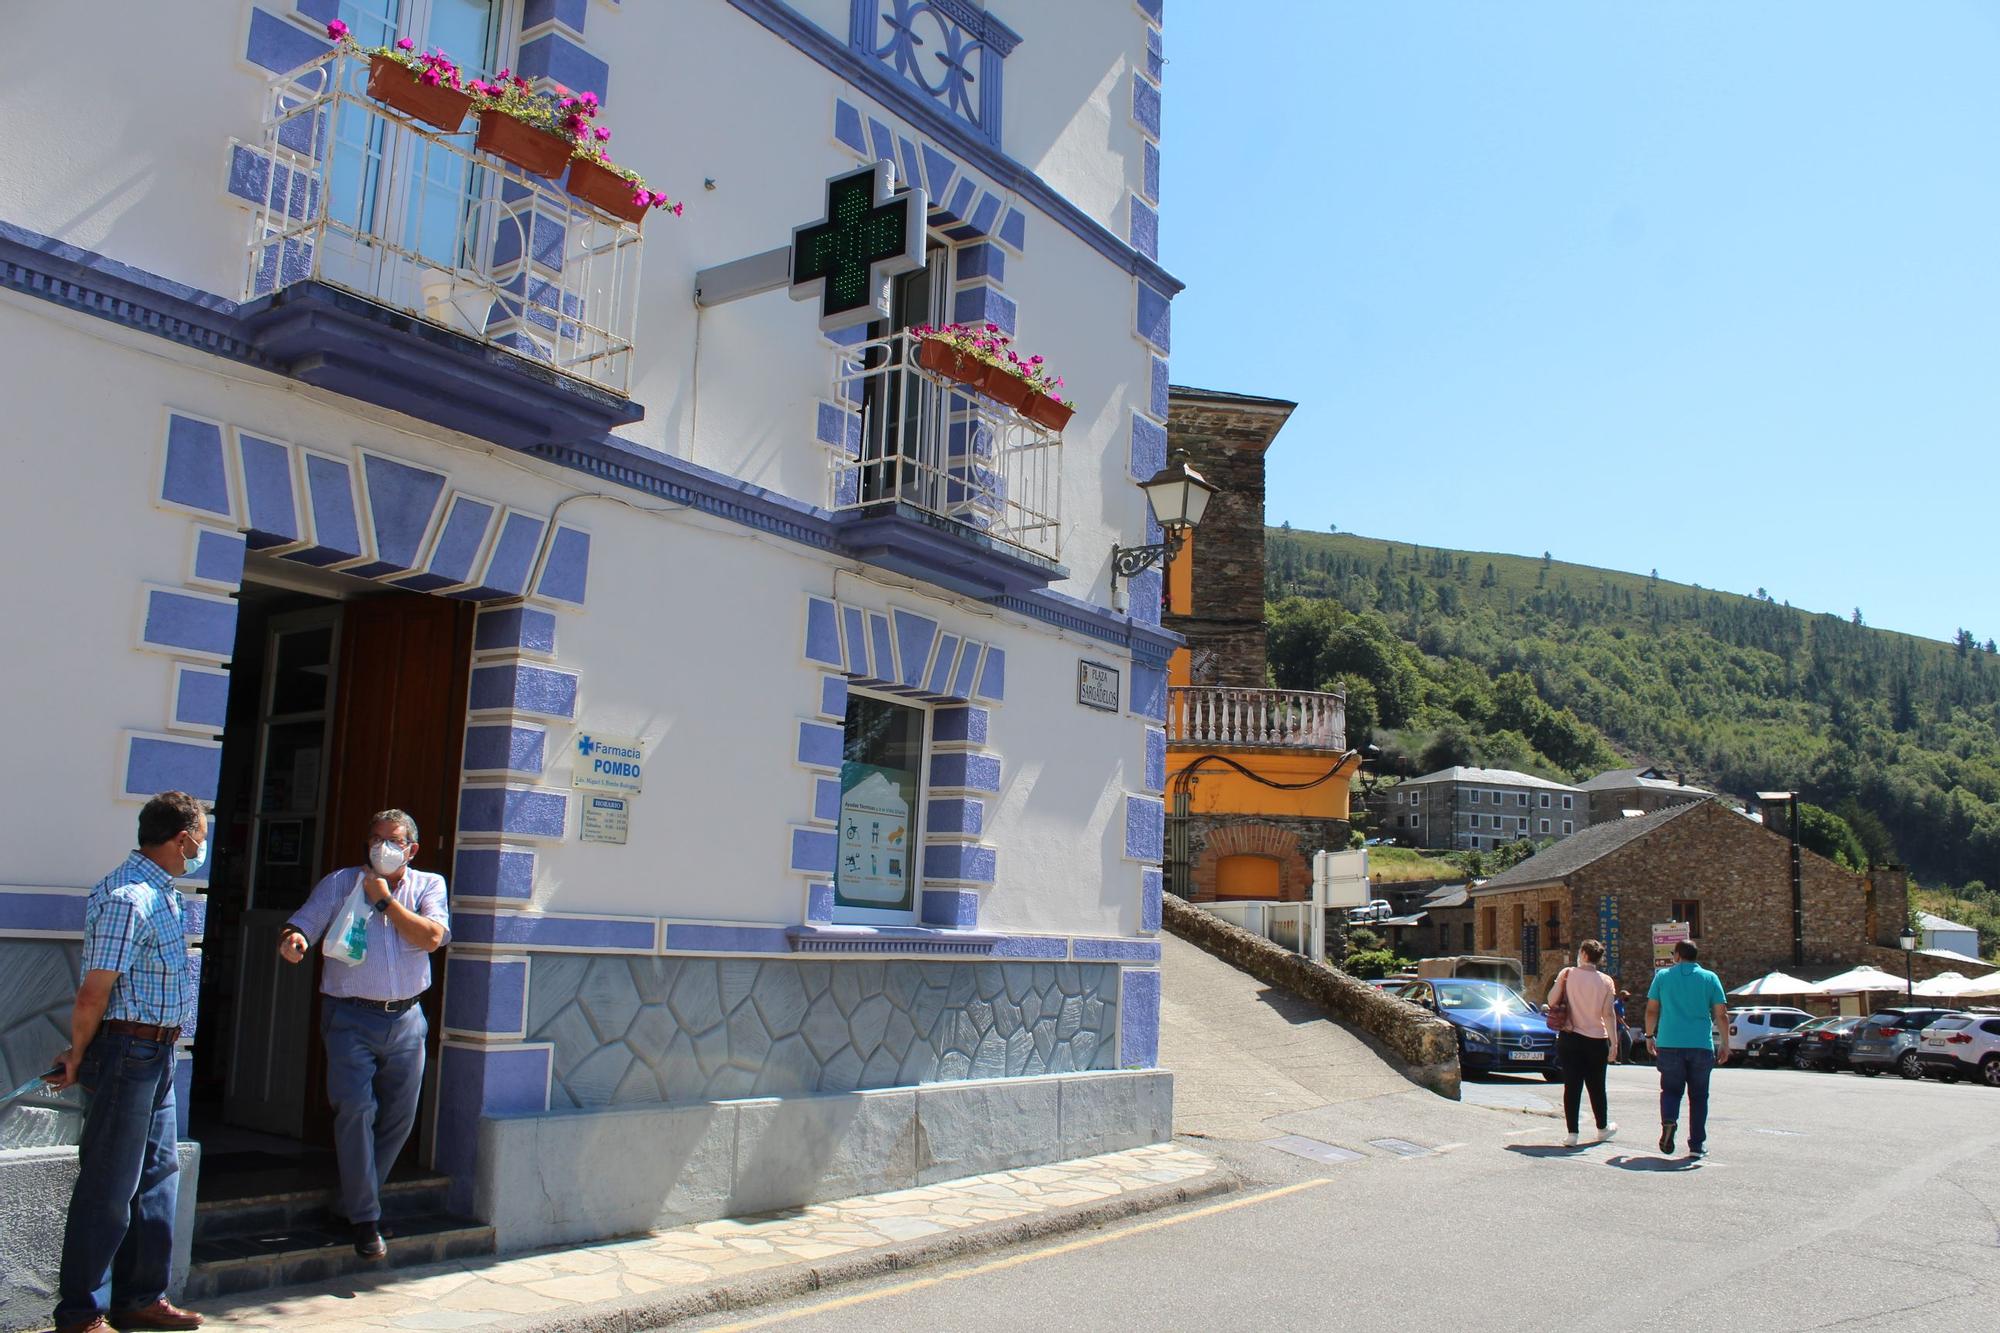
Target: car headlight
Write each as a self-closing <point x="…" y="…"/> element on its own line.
<point x="1473" y="1037"/>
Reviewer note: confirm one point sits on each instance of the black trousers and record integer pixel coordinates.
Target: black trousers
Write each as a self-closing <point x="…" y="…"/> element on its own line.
<point x="1583" y="1061"/>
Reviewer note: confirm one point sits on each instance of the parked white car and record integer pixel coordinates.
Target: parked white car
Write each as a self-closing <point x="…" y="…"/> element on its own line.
<point x="1378" y="910"/>
<point x="1962" y="1046"/>
<point x="1749" y="1022"/>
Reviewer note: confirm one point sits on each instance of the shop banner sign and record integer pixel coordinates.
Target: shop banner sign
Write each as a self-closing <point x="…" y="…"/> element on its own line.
<point x="608" y="763"/>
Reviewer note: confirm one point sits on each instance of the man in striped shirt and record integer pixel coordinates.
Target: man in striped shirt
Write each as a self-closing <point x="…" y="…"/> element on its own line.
<point x="130" y="1008"/>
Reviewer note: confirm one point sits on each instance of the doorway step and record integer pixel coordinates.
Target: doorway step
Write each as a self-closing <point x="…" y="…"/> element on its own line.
<point x="278" y="1239"/>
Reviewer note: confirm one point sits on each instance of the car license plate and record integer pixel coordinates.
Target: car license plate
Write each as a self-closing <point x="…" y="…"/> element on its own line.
<point x="1526" y="1055"/>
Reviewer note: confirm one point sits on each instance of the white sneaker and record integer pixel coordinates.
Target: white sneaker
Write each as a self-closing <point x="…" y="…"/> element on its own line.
<point x="1608" y="1133"/>
<point x="1569" y="1140"/>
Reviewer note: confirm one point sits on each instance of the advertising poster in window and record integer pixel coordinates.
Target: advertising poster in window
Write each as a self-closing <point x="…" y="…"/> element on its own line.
<point x="873" y="869"/>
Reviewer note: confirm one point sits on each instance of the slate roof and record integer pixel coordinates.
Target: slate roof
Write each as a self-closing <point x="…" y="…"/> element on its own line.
<point x="1931" y="922"/>
<point x="1626" y="779"/>
<point x="1492" y="777"/>
<point x="1581" y="848"/>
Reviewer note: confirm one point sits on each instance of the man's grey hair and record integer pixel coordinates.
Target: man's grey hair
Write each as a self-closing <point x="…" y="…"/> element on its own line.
<point x="396" y="817"/>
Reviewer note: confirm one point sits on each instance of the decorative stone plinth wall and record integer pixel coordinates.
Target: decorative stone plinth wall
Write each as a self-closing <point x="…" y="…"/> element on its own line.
<point x="631" y="1031"/>
<point x="1289" y="840"/>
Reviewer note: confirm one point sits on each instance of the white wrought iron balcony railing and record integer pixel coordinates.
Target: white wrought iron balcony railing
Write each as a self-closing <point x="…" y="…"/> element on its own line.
<point x="1265" y="719"/>
<point x="917" y="439"/>
<point x="361" y="197"/>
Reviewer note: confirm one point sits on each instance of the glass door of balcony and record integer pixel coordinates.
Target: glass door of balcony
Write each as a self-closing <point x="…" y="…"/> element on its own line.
<point x="413" y="208"/>
<point x="899" y="446"/>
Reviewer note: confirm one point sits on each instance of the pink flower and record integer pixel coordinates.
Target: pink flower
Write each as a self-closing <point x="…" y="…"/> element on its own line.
<point x="432" y="77"/>
<point x="676" y="210"/>
<point x="643" y="198"/>
<point x="337" y="30"/>
<point x="406" y="45"/>
<point x="603" y="134"/>
<point x="590" y="100"/>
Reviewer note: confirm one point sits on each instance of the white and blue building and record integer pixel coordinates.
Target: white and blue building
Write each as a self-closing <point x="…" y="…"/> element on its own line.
<point x="731" y="665"/>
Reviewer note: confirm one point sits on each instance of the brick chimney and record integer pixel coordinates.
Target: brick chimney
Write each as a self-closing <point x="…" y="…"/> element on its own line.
<point x="1775" y="809"/>
<point x="1888" y="904"/>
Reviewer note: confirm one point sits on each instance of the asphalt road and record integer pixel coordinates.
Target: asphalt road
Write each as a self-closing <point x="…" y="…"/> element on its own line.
<point x="1826" y="1202"/>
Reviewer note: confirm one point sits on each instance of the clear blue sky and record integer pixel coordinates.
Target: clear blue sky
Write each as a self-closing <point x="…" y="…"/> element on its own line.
<point x="1708" y="286"/>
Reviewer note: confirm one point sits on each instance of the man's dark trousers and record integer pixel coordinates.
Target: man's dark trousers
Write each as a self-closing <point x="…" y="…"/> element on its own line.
<point x="120" y="1240"/>
<point x="1685" y="1067"/>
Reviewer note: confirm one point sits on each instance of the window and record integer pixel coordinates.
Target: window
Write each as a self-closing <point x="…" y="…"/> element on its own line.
<point x="1470" y="946"/>
<point x="1520" y="798"/>
<point x="1689" y="910"/>
<point x="893" y="406"/>
<point x="1569" y="827"/>
<point x="881" y="789"/>
<point x="1991" y="1025"/>
<point x="1545" y="800"/>
<point x="1489" y="926"/>
<point x="1521" y="824"/>
<point x="1569" y="802"/>
<point x="1475" y="798"/>
<point x="1416" y="820"/>
<point x="1414" y="796"/>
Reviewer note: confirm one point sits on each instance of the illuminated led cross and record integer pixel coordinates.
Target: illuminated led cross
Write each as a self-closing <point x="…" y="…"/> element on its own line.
<point x="868" y="236"/>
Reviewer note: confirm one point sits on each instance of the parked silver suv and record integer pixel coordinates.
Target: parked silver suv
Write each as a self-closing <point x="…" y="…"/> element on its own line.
<point x="1962" y="1046"/>
<point x="1888" y="1040"/>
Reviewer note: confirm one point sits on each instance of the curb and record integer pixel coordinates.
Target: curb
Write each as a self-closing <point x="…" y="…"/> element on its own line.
<point x="656" y="1310"/>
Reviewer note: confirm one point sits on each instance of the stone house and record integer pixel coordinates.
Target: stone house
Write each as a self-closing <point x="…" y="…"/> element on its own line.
<point x="1476" y="809"/>
<point x="1726" y="876"/>
<point x="1613" y="792"/>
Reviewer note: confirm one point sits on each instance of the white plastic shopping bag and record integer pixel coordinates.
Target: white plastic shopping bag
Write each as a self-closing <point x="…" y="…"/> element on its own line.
<point x="347" y="937"/>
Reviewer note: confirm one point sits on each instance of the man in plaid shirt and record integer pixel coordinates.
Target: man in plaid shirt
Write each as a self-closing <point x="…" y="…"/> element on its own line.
<point x="130" y="1008"/>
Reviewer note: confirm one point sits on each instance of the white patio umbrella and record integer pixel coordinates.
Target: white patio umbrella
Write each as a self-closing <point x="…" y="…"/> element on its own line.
<point x="1777" y="983"/>
<point x="1943" y="986"/>
<point x="1860" y="981"/>
<point x="1980" y="988"/>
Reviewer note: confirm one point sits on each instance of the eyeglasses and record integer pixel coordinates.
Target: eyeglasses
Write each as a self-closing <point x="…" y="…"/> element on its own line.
<point x="403" y="843"/>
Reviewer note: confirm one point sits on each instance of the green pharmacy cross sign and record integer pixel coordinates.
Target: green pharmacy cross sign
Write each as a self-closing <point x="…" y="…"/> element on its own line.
<point x="870" y="234"/>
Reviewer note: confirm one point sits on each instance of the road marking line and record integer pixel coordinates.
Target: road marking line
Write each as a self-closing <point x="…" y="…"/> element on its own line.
<point x="1015" y="1260"/>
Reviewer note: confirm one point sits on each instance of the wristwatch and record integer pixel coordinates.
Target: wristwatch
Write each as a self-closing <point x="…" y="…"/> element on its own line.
<point x="381" y="904"/>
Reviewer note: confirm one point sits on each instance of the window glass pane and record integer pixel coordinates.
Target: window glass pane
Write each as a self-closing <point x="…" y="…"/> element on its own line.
<point x="304" y="670"/>
<point x="880" y="779"/>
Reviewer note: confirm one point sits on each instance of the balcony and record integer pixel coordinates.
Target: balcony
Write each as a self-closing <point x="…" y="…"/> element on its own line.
<point x="935" y="480"/>
<point x="395" y="263"/>
<point x="1205" y="715"/>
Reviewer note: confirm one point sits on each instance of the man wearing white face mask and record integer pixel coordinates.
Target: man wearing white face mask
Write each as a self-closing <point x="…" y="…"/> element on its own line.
<point x="373" y="1025"/>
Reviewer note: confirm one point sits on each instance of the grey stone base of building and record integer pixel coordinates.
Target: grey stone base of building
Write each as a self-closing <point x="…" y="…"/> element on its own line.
<point x="563" y="1177"/>
<point x="35" y="1185"/>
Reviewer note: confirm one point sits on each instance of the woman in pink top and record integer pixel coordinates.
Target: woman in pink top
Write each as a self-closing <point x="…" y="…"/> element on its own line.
<point x="1584" y="1045"/>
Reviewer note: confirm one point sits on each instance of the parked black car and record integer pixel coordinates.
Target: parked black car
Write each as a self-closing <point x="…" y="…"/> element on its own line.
<point x="1776" y="1048"/>
<point x="1826" y="1047"/>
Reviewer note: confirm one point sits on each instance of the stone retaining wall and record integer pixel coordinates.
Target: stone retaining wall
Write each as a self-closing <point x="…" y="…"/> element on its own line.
<point x="1425" y="1047"/>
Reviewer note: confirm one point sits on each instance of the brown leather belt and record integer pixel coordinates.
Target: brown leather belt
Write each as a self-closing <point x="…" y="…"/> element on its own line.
<point x="386" y="1006"/>
<point x="143" y="1031"/>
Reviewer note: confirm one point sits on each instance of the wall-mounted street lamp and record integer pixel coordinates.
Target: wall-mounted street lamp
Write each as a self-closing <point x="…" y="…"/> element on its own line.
<point x="1178" y="496"/>
<point x="1908" y="940"/>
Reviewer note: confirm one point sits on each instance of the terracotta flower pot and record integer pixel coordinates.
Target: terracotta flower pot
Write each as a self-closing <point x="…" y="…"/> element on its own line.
<point x="604" y="189"/>
<point x="391" y="83"/>
<point x="537" y="152"/>
<point x="1046" y="411"/>
<point x="935" y="354"/>
<point x="1003" y="386"/>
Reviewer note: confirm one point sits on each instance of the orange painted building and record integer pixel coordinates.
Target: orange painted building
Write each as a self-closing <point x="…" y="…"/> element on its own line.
<point x="1257" y="778"/>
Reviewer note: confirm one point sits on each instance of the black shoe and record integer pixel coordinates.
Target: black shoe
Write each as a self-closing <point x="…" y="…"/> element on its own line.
<point x="1667" y="1137"/>
<point x="368" y="1241"/>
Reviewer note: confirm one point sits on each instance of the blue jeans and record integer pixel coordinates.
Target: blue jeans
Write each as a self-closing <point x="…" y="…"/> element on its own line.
<point x="374" y="1071"/>
<point x="1685" y="1067"/>
<point x="119" y="1242"/>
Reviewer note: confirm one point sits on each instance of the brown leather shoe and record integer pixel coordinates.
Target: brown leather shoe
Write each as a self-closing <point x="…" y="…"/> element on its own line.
<point x="96" y="1325"/>
<point x="160" y="1314"/>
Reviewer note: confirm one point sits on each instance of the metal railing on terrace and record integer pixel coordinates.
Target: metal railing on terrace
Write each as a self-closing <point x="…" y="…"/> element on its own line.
<point x="942" y="448"/>
<point x="364" y="198"/>
<point x="1266" y="719"/>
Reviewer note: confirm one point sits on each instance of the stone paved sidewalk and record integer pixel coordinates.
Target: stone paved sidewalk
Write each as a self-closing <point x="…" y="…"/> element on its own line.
<point x="530" y="1289"/>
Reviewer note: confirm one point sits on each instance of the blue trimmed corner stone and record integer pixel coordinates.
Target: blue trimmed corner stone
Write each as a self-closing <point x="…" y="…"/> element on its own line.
<point x="493" y="872"/>
<point x="1138" y="1018"/>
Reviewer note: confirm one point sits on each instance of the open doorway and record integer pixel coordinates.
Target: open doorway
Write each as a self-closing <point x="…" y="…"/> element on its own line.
<point x="345" y="698"/>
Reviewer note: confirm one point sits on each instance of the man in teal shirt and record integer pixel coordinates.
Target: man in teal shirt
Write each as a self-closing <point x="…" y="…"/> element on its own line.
<point x="1687" y="1018"/>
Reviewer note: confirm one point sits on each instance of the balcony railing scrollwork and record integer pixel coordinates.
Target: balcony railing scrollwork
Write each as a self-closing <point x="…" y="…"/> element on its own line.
<point x="1266" y="719"/>
<point x="363" y="198"/>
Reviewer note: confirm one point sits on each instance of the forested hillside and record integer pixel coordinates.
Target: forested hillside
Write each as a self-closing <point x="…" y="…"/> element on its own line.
<point x="1450" y="656"/>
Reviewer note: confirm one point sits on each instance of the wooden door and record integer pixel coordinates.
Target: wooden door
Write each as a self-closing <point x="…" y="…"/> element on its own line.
<point x="397" y="740"/>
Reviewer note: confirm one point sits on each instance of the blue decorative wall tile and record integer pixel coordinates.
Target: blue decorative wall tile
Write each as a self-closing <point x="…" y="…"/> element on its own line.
<point x="826" y="799"/>
<point x="1144" y="598"/>
<point x="330" y="498"/>
<point x="201" y="698"/>
<point x="1116" y="951"/>
<point x="195" y="476"/>
<point x="939" y="682"/>
<point x="1149" y="692"/>
<point x="1149" y="447"/>
<point x="1145" y="228"/>
<point x="823" y="632"/>
<point x="1156" y="55"/>
<point x="915" y="636"/>
<point x="938" y="171"/>
<point x="703" y="938"/>
<point x="833" y="696"/>
<point x="191" y="623"/>
<point x="1138" y="1018"/>
<point x="601" y="934"/>
<point x="819" y="903"/>
<point x="1044" y="947"/>
<point x="569" y="13"/>
<point x="268" y="493"/>
<point x="984" y="305"/>
<point x="457" y="547"/>
<point x="566" y="569"/>
<point x="812" y="851"/>
<point x="819" y="745"/>
<point x="492" y="748"/>
<point x="1146" y="107"/>
<point x="279" y="45"/>
<point x="521" y="812"/>
<point x="486" y="994"/>
<point x="1156" y="759"/>
<point x="973" y="772"/>
<point x="968" y="665"/>
<point x="961" y="724"/>
<point x="1152" y="172"/>
<point x="513" y="557"/>
<point x="319" y="11"/>
<point x="955" y="815"/>
<point x="521" y="688"/>
<point x="993" y="675"/>
<point x="493" y="872"/>
<point x="847" y="128"/>
<point x="856" y="638"/>
<point x="879" y="646"/>
<point x="1014" y="230"/>
<point x="954" y="909"/>
<point x="401" y="500"/>
<point x="515" y="627"/>
<point x="1145" y="827"/>
<point x="154" y="764"/>
<point x="960" y="861"/>
<point x="981" y="260"/>
<point x="1149" y="899"/>
<point x="1152" y="9"/>
<point x="1158" y="403"/>
<point x="554" y="56"/>
<point x="1153" y="318"/>
<point x="218" y="558"/>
